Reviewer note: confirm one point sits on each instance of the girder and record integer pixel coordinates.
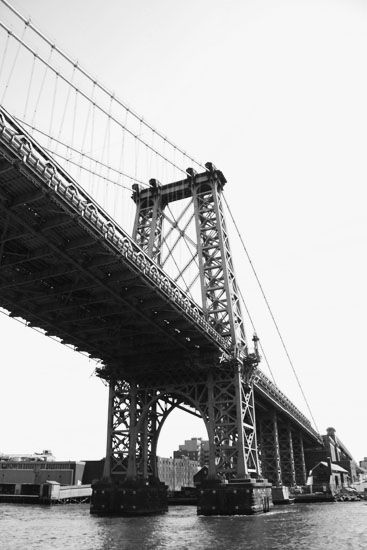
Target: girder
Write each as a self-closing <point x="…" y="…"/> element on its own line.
<point x="66" y="267"/>
<point x="81" y="269"/>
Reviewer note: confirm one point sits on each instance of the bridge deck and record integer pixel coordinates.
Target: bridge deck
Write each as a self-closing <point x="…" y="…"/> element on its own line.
<point x="67" y="268"/>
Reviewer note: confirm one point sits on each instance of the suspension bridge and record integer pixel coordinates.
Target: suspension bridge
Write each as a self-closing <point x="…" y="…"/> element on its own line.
<point x="114" y="241"/>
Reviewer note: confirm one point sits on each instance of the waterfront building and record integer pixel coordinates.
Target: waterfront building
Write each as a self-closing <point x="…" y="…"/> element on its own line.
<point x="195" y="448"/>
<point x="333" y="449"/>
<point x="177" y="472"/>
<point x="327" y="476"/>
<point x="38" y="472"/>
<point x="46" y="456"/>
<point x="363" y="466"/>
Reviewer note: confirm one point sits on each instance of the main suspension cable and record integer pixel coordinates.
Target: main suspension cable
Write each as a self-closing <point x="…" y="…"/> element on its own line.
<point x="100" y="86"/>
<point x="89" y="99"/>
<point x="84" y="155"/>
<point x="270" y="312"/>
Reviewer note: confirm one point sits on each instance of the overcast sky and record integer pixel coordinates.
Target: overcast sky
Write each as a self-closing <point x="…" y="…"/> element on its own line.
<point x="274" y="93"/>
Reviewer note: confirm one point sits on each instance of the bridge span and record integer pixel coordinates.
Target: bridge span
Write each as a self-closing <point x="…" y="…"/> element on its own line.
<point x="69" y="269"/>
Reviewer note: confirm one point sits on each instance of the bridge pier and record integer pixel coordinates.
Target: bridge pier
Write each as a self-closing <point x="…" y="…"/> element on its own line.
<point x="286" y="455"/>
<point x="108" y="295"/>
<point x="269" y="448"/>
<point x="299" y="459"/>
<point x="129" y="498"/>
<point x="237" y="497"/>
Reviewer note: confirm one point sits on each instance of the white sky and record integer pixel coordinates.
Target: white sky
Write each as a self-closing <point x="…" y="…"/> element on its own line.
<point x="274" y="93"/>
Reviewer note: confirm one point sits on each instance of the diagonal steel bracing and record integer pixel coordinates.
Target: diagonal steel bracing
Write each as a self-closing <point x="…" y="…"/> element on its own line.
<point x="269" y="447"/>
<point x="70" y="269"/>
<point x="223" y="394"/>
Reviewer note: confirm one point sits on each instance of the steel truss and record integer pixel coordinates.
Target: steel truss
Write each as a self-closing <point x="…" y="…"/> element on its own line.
<point x="45" y="280"/>
<point x="147" y="230"/>
<point x="299" y="458"/>
<point x="223" y="395"/>
<point x="269" y="451"/>
<point x="137" y="413"/>
<point x="286" y="454"/>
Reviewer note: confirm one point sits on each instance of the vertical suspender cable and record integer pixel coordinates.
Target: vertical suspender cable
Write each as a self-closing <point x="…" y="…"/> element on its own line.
<point x="271" y="313"/>
<point x="41" y="88"/>
<point x="13" y="65"/>
<point x="4" y="54"/>
<point x="29" y="87"/>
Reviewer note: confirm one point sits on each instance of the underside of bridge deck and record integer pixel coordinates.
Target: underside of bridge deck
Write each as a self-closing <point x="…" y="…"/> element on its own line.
<point x="67" y="268"/>
<point x="59" y="273"/>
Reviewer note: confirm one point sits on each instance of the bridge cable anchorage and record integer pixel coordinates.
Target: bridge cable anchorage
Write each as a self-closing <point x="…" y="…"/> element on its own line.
<point x="271" y="313"/>
<point x="28" y="23"/>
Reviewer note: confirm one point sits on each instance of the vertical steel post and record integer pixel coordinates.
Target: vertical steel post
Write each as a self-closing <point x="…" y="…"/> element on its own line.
<point x="277" y="450"/>
<point x="286" y="455"/>
<point x="144" y="445"/>
<point x="303" y="462"/>
<point x="109" y="446"/>
<point x="242" y="471"/>
<point x="211" y="425"/>
<point x="299" y="460"/>
<point x="221" y="305"/>
<point x="147" y="230"/>
<point x="131" y="464"/>
<point x="291" y="457"/>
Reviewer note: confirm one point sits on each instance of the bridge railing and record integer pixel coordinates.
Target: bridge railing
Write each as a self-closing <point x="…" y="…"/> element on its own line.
<point x="272" y="390"/>
<point x="76" y="199"/>
<point x="22" y="146"/>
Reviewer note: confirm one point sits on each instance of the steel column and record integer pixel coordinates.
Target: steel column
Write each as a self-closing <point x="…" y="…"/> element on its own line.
<point x="269" y="448"/>
<point x="109" y="447"/>
<point x="286" y="455"/>
<point x="299" y="459"/>
<point x="147" y="231"/>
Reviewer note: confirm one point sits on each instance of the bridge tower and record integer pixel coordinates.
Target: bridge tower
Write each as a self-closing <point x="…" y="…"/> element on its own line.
<point x="217" y="387"/>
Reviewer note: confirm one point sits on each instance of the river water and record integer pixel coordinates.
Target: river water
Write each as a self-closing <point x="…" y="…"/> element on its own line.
<point x="336" y="526"/>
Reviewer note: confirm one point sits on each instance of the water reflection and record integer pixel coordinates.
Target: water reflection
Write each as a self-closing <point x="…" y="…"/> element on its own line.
<point x="328" y="526"/>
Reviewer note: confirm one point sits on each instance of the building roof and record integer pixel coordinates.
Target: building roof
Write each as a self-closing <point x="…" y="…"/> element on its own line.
<point x="335" y="467"/>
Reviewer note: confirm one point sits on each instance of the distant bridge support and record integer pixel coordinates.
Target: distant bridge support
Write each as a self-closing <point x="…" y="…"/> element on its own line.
<point x="281" y="451"/>
<point x="269" y="447"/>
<point x="286" y="455"/>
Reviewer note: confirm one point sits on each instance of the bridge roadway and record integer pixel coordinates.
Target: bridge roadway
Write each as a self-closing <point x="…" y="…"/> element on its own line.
<point x="68" y="268"/>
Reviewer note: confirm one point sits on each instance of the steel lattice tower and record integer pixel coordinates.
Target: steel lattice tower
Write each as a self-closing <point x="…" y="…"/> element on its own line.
<point x="221" y="390"/>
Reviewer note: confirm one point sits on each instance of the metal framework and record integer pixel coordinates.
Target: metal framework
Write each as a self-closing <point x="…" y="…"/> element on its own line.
<point x="224" y="399"/>
<point x="68" y="268"/>
<point x="269" y="447"/>
<point x="286" y="454"/>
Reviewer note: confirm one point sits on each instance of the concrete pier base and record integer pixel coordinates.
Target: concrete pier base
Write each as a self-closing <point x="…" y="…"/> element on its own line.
<point x="238" y="497"/>
<point x="281" y="495"/>
<point x="129" y="498"/>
